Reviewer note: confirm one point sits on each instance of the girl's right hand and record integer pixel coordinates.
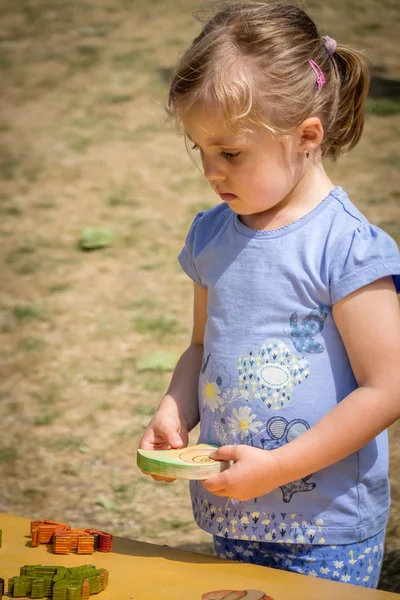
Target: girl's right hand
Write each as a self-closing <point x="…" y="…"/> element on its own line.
<point x="165" y="431"/>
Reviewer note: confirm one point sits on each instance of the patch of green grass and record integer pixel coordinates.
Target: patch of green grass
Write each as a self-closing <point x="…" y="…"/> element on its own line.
<point x="127" y="60"/>
<point x="5" y="62"/>
<point x="383" y="107"/>
<point x="123" y="434"/>
<point x="145" y="409"/>
<point x="104" y="405"/>
<point x="145" y="303"/>
<point x="111" y="376"/>
<point x="57" y="288"/>
<point x="123" y="490"/>
<point x="115" y="98"/>
<point x="8" y="454"/>
<point x="158" y="327"/>
<point x="84" y="56"/>
<point x="11" y="208"/>
<point x="66" y="443"/>
<point x="47" y="397"/>
<point x="121" y="197"/>
<point x="35" y="494"/>
<point x="21" y="260"/>
<point x="48" y="83"/>
<point x="174" y="524"/>
<point x="97" y="30"/>
<point x="372" y="201"/>
<point x="28" y="312"/>
<point x="367" y="28"/>
<point x="152" y="382"/>
<point x="80" y="143"/>
<point x="175" y="42"/>
<point x="194" y="209"/>
<point x="150" y="266"/>
<point x="30" y="344"/>
<point x="392" y="228"/>
<point x="27" y="268"/>
<point x="393" y="160"/>
<point x="45" y="418"/>
<point x="145" y="131"/>
<point x="8" y="165"/>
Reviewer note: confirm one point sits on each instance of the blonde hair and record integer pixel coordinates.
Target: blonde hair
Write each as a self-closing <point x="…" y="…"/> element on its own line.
<point x="252" y="59"/>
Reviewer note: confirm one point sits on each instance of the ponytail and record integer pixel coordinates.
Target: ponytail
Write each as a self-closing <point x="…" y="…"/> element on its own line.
<point x="353" y="74"/>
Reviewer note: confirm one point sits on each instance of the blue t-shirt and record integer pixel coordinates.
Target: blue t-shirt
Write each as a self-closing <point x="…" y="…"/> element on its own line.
<point x="274" y="364"/>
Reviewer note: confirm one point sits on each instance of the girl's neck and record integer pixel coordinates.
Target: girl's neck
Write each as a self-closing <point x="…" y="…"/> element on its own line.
<point x="308" y="192"/>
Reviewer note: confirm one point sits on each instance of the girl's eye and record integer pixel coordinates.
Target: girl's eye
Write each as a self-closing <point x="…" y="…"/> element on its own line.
<point x="230" y="155"/>
<point x="195" y="146"/>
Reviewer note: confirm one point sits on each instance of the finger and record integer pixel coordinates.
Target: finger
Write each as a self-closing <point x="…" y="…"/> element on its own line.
<point x="174" y="440"/>
<point x="225" y="453"/>
<point x="166" y="479"/>
<point x="158" y="477"/>
<point x="217" y="483"/>
<point x="222" y="494"/>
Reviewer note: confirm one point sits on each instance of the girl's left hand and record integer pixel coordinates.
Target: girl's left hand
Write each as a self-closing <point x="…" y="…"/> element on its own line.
<point x="255" y="472"/>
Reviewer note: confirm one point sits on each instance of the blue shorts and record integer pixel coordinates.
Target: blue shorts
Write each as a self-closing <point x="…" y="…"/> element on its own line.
<point x="359" y="563"/>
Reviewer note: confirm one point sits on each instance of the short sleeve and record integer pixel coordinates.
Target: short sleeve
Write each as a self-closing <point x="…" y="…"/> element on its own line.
<point x="361" y="257"/>
<point x="188" y="253"/>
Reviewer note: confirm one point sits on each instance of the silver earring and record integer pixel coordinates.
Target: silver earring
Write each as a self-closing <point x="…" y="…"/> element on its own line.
<point x="306" y="154"/>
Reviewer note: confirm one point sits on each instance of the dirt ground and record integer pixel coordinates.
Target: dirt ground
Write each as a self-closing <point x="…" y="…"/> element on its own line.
<point x="83" y="143"/>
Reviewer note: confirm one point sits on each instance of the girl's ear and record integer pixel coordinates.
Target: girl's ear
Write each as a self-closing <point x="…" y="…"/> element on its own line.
<point x="309" y="135"/>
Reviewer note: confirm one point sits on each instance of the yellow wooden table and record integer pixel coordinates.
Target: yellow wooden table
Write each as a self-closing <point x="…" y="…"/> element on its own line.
<point x="139" y="571"/>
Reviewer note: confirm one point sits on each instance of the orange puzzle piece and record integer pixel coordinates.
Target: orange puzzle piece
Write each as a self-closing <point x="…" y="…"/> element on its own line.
<point x="64" y="539"/>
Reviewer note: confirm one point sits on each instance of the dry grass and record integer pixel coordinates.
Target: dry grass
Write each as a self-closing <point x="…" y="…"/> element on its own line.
<point x="83" y="143"/>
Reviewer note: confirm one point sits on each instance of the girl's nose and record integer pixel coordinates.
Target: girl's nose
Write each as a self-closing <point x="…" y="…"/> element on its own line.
<point x="212" y="171"/>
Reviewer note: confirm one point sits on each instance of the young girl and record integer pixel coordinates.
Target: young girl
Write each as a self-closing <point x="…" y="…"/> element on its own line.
<point x="293" y="367"/>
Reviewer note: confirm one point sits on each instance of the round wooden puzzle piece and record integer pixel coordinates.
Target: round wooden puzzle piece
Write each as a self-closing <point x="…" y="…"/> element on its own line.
<point x="236" y="595"/>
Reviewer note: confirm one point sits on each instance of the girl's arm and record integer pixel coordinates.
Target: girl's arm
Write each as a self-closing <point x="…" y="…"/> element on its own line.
<point x="368" y="321"/>
<point x="178" y="411"/>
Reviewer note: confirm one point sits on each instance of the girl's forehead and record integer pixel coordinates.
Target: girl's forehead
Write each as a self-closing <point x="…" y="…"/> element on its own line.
<point x="208" y="123"/>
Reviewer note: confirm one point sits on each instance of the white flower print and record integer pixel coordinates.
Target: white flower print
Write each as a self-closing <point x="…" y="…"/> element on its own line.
<point x="324" y="570"/>
<point x="211" y="395"/>
<point x="271" y="373"/>
<point x="243" y="422"/>
<point x="335" y="574"/>
<point x="338" y="564"/>
<point x="345" y="578"/>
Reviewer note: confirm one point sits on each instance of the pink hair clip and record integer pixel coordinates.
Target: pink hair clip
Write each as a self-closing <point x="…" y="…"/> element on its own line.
<point x="318" y="73"/>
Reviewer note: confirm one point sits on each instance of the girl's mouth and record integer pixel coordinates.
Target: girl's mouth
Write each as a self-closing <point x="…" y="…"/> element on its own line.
<point x="227" y="197"/>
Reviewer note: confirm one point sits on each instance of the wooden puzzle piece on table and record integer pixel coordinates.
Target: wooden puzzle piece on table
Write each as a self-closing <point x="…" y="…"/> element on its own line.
<point x="64" y="539"/>
<point x="236" y="595"/>
<point x="58" y="583"/>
